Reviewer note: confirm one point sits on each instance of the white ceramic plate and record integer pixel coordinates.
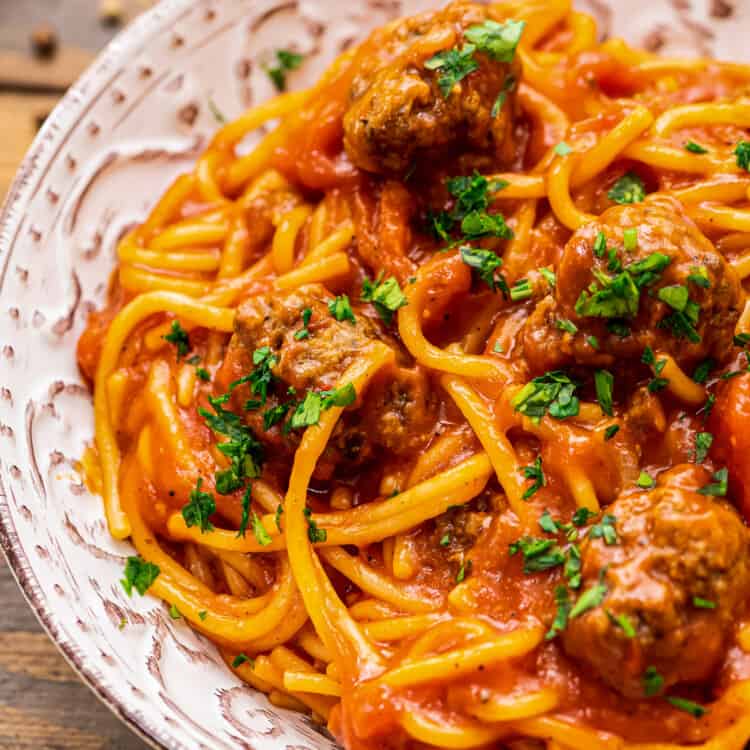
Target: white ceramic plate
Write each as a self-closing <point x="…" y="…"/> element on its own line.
<point x="137" y="118"/>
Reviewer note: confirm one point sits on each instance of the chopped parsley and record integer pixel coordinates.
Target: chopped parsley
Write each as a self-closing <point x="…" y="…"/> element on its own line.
<point x="203" y="614"/>
<point x="452" y="65"/>
<point x="386" y="296"/>
<point x="628" y="189"/>
<point x="174" y="613"/>
<point x="630" y="239"/>
<point x="464" y="571"/>
<point x="581" y="516"/>
<point x="603" y="382"/>
<point x="562" y="149"/>
<point x="718" y="488"/>
<point x="699" y="276"/>
<point x="285" y="61"/>
<point x="593" y="342"/>
<point x="439" y="224"/>
<point x="260" y="379"/>
<point x="276" y="414"/>
<point x="546" y="522"/>
<point x="314" y="534"/>
<point x="591" y="598"/>
<point x="245" y="518"/>
<point x="471" y="193"/>
<point x="508" y="85"/>
<point x="605" y="529"/>
<point x="567" y="325"/>
<point x="538" y="554"/>
<point x="139" y="575"/>
<point x="521" y="290"/>
<point x="623" y="622"/>
<point x="341" y="309"/>
<point x="549" y="276"/>
<point x="611" y="431"/>
<point x="242" y="447"/>
<point x="562" y="600"/>
<point x="445" y="540"/>
<point x="201" y="507"/>
<point x="178" y="336"/>
<point x="614" y="297"/>
<point x="694" y="709"/>
<point x="240" y="659"/>
<point x="703" y="370"/>
<point x="652" y="682"/>
<point x="703" y="443"/>
<point x="742" y="152"/>
<point x="304" y="333"/>
<point x="534" y="473"/>
<point x="277" y="516"/>
<point x="497" y="40"/>
<point x="676" y="296"/>
<point x="309" y="410"/>
<point x="645" y="480"/>
<point x="703" y="603"/>
<point x="695" y="148"/>
<point x="486" y="263"/>
<point x="553" y="393"/>
<point x="203" y="374"/>
<point x="600" y="245"/>
<point x="261" y="535"/>
<point x="479" y="224"/>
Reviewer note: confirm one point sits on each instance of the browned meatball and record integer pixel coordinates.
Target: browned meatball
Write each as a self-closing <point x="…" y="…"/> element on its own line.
<point x="677" y="574"/>
<point x="399" y="410"/>
<point x="630" y="297"/>
<point x="398" y="110"/>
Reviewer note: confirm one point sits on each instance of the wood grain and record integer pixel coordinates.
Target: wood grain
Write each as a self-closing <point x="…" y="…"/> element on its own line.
<point x="43" y="703"/>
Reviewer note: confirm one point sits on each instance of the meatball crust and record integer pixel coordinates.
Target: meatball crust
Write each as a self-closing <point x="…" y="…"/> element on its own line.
<point x="679" y="573"/>
<point x="694" y="265"/>
<point x="397" y="110"/>
<point x="400" y="409"/>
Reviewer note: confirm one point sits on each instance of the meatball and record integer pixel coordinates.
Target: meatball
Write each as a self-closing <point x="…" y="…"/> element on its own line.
<point x="641" y="275"/>
<point x="678" y="573"/>
<point x="399" y="410"/>
<point x="398" y="111"/>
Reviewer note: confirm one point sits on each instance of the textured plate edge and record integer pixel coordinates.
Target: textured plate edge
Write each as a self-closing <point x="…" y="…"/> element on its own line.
<point x="41" y="151"/>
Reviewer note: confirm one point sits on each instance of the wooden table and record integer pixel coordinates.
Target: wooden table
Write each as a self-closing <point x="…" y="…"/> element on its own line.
<point x="43" y="704"/>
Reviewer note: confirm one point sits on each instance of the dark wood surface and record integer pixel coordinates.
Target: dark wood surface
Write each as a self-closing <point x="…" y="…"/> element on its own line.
<point x="43" y="704"/>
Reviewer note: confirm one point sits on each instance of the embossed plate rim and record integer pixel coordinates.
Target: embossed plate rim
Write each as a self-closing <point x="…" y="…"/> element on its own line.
<point x="40" y="154"/>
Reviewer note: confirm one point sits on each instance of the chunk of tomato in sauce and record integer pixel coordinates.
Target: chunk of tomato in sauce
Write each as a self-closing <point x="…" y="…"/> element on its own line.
<point x="730" y="425"/>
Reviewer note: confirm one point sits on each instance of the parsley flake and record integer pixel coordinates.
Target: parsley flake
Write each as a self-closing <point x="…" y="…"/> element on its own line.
<point x="603" y="382"/>
<point x="286" y="61"/>
<point x="553" y="393"/>
<point x="452" y="65"/>
<point x="496" y="40"/>
<point x="178" y="336"/>
<point x="535" y="473"/>
<point x="628" y="189"/>
<point x="742" y="152"/>
<point x="139" y="575"/>
<point x="314" y="534"/>
<point x="386" y="296"/>
<point x="652" y="682"/>
<point x="718" y="488"/>
<point x="341" y="309"/>
<point x="201" y="507"/>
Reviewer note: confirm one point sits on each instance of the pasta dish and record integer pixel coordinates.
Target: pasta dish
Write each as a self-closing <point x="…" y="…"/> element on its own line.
<point x="432" y="408"/>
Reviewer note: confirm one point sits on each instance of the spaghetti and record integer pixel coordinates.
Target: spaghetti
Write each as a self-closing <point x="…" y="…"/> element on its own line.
<point x="431" y="410"/>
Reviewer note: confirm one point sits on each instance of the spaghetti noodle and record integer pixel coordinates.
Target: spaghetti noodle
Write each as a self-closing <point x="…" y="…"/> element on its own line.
<point x="432" y="410"/>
